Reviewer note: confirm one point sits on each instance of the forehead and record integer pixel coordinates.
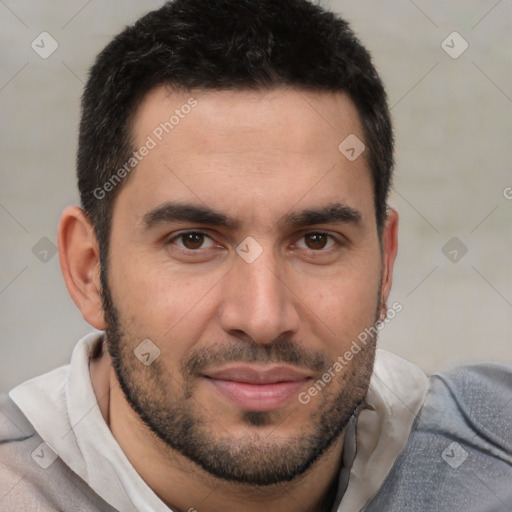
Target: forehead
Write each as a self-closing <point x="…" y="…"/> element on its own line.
<point x="216" y="115"/>
<point x="251" y="151"/>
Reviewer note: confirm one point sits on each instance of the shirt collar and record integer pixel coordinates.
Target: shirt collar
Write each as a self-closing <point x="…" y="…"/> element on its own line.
<point x="379" y="433"/>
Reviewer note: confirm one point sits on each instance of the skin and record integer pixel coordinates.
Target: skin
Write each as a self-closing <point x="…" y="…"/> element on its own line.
<point x="256" y="157"/>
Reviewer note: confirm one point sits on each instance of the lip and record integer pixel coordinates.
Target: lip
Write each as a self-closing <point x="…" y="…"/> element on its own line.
<point x="258" y="388"/>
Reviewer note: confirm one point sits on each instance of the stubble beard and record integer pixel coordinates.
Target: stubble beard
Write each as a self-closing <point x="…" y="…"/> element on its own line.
<point x="167" y="406"/>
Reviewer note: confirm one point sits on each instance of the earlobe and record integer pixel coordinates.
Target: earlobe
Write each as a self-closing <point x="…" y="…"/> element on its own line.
<point x="80" y="264"/>
<point x="389" y="251"/>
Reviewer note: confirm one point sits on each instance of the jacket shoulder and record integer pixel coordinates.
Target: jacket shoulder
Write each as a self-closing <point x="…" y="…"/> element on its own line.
<point x="482" y="395"/>
<point x="459" y="454"/>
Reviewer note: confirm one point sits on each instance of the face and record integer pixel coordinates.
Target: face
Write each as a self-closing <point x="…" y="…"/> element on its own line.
<point x="244" y="246"/>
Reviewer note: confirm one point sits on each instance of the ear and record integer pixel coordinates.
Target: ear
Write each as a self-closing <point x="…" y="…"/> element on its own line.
<point x="80" y="264"/>
<point x="389" y="251"/>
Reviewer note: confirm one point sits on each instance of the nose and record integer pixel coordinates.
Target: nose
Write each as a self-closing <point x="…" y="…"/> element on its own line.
<point x="258" y="302"/>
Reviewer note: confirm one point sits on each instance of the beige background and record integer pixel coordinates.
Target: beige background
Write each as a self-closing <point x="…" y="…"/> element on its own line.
<point x="453" y="120"/>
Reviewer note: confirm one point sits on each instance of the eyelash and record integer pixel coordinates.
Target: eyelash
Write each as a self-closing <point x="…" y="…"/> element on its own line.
<point x="331" y="237"/>
<point x="184" y="233"/>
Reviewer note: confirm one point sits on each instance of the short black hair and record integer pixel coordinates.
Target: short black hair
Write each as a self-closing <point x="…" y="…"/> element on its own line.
<point x="223" y="45"/>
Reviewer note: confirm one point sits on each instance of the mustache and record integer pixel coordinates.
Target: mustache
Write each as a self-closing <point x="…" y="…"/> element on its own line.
<point x="247" y="351"/>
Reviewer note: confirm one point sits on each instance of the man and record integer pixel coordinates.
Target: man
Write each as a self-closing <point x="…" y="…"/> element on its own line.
<point x="236" y="248"/>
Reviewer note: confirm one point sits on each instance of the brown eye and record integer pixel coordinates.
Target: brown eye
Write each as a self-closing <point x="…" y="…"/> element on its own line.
<point x="192" y="240"/>
<point x="316" y="241"/>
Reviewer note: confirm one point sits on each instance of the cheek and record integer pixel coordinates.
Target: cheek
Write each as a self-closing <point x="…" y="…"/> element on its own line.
<point x="159" y="302"/>
<point x="341" y="307"/>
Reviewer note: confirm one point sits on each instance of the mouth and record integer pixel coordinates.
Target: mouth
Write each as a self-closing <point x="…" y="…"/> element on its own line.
<point x="258" y="387"/>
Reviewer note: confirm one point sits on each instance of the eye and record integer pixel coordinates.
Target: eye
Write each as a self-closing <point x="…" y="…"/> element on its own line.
<point x="316" y="241"/>
<point x="193" y="240"/>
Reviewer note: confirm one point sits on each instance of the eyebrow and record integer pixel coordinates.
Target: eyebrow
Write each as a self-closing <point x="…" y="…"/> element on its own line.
<point x="173" y="212"/>
<point x="331" y="213"/>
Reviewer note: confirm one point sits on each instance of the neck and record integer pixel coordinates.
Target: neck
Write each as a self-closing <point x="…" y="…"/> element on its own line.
<point x="183" y="486"/>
